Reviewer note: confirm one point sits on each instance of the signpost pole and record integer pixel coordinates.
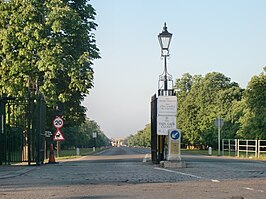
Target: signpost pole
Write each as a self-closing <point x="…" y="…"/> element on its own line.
<point x="94" y="135"/>
<point x="219" y="135"/>
<point x="58" y="148"/>
<point x="58" y="136"/>
<point x="94" y="143"/>
<point x="219" y="123"/>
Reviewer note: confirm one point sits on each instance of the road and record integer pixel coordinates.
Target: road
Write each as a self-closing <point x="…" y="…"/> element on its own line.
<point x="123" y="172"/>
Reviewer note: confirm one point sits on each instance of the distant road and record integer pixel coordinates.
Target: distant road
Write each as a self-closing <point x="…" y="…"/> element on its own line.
<point x="121" y="172"/>
<point x="118" y="154"/>
<point x="125" y="151"/>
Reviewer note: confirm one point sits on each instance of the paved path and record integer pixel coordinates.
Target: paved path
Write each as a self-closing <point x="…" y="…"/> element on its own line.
<point x="121" y="173"/>
<point x="8" y="171"/>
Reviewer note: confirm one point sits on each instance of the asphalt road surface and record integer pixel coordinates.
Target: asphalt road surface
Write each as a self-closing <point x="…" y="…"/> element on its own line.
<point x="124" y="172"/>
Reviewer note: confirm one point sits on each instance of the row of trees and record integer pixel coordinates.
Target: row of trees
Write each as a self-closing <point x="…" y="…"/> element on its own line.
<point x="202" y="99"/>
<point x="141" y="138"/>
<point x="82" y="136"/>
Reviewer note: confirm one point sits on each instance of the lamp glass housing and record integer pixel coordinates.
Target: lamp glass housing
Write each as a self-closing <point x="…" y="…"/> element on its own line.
<point x="165" y="40"/>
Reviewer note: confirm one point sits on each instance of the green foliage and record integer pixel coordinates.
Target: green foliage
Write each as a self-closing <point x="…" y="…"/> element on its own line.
<point x="141" y="138"/>
<point x="82" y="136"/>
<point x="253" y="120"/>
<point x="200" y="101"/>
<point x="48" y="46"/>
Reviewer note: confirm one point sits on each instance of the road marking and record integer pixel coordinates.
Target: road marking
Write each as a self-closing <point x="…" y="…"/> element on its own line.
<point x="251" y="189"/>
<point x="146" y="157"/>
<point x="185" y="174"/>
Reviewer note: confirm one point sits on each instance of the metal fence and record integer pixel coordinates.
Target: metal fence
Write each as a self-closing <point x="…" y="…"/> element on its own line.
<point x="22" y="123"/>
<point x="240" y="147"/>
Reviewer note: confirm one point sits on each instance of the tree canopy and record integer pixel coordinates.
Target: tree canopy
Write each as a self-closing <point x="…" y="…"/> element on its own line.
<point x="141" y="138"/>
<point x="253" y="119"/>
<point x="48" y="46"/>
<point x="82" y="136"/>
<point x="201" y="99"/>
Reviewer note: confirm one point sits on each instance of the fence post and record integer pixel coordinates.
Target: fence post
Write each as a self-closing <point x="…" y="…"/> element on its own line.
<point x="229" y="147"/>
<point x="237" y="147"/>
<point x="246" y="148"/>
<point x="223" y="147"/>
<point x="257" y="149"/>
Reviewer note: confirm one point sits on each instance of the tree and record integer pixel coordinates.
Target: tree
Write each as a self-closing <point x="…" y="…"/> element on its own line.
<point x="253" y="120"/>
<point x="49" y="46"/>
<point x="200" y="101"/>
<point x="187" y="109"/>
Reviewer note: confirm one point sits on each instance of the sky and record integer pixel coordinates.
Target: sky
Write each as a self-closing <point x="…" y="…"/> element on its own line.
<point x="208" y="36"/>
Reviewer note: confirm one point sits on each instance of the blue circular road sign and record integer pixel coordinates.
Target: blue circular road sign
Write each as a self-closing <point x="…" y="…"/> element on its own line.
<point x="175" y="134"/>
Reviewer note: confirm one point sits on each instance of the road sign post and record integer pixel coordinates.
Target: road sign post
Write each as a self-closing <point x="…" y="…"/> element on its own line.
<point x="94" y="135"/>
<point x="174" y="140"/>
<point x="219" y="123"/>
<point x="58" y="148"/>
<point x="58" y="136"/>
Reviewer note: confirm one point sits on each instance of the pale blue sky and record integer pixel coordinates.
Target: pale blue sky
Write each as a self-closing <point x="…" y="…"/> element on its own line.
<point x="227" y="36"/>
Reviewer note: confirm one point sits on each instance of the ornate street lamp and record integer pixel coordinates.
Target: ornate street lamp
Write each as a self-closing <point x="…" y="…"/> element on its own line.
<point x="164" y="40"/>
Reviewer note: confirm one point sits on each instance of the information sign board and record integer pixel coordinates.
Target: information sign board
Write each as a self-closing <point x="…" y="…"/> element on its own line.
<point x="167" y="105"/>
<point x="164" y="123"/>
<point x="48" y="134"/>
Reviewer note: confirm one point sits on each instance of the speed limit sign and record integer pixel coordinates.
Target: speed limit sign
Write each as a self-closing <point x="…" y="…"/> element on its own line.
<point x="58" y="122"/>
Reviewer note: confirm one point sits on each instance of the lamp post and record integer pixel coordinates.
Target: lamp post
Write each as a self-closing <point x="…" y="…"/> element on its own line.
<point x="163" y="88"/>
<point x="164" y="40"/>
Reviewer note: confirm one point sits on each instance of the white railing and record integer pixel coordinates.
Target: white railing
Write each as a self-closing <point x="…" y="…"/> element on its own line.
<point x="261" y="147"/>
<point x="247" y="146"/>
<point x="238" y="147"/>
<point x="230" y="146"/>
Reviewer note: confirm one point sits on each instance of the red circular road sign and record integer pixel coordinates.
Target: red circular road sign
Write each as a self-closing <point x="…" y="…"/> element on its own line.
<point x="58" y="122"/>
